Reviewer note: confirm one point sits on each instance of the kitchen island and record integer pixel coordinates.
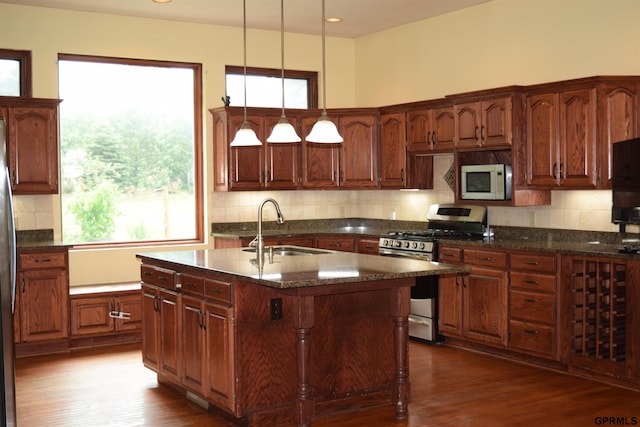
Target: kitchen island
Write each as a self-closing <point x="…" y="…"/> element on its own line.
<point x="284" y="339"/>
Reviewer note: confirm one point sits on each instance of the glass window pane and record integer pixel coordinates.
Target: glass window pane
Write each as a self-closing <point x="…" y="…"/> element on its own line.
<point x="9" y="77"/>
<point x="127" y="152"/>
<point x="266" y="91"/>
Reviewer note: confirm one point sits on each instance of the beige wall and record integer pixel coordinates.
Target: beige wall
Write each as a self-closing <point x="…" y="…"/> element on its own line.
<point x="498" y="43"/>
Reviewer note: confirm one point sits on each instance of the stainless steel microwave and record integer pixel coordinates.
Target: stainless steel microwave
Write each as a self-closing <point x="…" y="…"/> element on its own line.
<point x="486" y="182"/>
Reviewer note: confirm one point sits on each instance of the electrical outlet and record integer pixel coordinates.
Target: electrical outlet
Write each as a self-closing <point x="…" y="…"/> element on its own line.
<point x="276" y="308"/>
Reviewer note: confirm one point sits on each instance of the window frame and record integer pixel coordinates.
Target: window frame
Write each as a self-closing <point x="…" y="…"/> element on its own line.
<point x="197" y="149"/>
<point x="24" y="58"/>
<point x="310" y="76"/>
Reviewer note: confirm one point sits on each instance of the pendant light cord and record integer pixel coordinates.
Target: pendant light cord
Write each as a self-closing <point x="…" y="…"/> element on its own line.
<point x="244" y="37"/>
<point x="282" y="50"/>
<point x="324" y="67"/>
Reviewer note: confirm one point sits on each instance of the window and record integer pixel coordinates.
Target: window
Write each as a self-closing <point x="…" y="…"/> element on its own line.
<point x="15" y="73"/>
<point x="264" y="87"/>
<point x="130" y="142"/>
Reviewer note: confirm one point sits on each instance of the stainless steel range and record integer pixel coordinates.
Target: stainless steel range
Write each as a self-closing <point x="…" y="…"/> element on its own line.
<point x="445" y="221"/>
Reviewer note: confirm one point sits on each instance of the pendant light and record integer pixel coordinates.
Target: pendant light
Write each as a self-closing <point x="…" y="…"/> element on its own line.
<point x="245" y="136"/>
<point x="324" y="130"/>
<point x="283" y="131"/>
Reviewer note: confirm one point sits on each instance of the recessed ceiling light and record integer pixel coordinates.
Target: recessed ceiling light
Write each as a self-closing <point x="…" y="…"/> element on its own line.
<point x="162" y="1"/>
<point x="333" y="20"/>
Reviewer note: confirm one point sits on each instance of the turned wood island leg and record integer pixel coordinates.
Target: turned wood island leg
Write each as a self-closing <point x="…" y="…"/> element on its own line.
<point x="401" y="388"/>
<point x="303" y="322"/>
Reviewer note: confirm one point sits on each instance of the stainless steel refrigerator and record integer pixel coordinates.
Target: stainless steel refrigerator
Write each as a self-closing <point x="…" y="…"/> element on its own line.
<point x="7" y="289"/>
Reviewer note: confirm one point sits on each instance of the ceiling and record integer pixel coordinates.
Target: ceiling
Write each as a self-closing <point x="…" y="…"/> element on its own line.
<point x="360" y="17"/>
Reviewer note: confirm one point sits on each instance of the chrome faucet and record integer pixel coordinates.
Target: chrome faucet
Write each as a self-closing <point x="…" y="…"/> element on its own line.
<point x="259" y="241"/>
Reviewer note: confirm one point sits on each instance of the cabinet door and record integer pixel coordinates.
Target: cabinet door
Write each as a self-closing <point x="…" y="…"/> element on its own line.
<point x="543" y="156"/>
<point x="419" y="134"/>
<point x="578" y="138"/>
<point x="282" y="159"/>
<point x="320" y="162"/>
<point x="220" y="355"/>
<point x="496" y="126"/>
<point x="246" y="164"/>
<point x="618" y="114"/>
<point x="419" y="171"/>
<point x="443" y="130"/>
<point x="131" y="308"/>
<point x="91" y="316"/>
<point x="169" y="335"/>
<point x="33" y="149"/>
<point x="392" y="151"/>
<point x="485" y="301"/>
<point x="359" y="151"/>
<point x="450" y="305"/>
<point x="193" y="361"/>
<point x="467" y="124"/>
<point x="44" y="304"/>
<point x="150" y="327"/>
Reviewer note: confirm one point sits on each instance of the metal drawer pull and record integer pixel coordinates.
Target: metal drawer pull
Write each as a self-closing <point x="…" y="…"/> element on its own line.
<point x="191" y="285"/>
<point x="531" y="282"/>
<point x="43" y="260"/>
<point x="531" y="331"/>
<point x="484" y="258"/>
<point x="530" y="300"/>
<point x="216" y="291"/>
<point x="532" y="262"/>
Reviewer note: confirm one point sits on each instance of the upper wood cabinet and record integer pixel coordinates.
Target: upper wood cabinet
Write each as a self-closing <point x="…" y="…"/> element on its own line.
<point x="618" y="117"/>
<point x="320" y="162"/>
<point x="393" y="162"/>
<point x="486" y="122"/>
<point x="431" y="129"/>
<point x="359" y="151"/>
<point x="32" y="143"/>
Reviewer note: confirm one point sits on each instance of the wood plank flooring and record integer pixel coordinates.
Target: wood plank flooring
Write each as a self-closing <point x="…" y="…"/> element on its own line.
<point x="450" y="387"/>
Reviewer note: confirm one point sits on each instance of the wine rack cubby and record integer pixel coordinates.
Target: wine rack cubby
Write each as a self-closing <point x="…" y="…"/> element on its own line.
<point x="599" y="304"/>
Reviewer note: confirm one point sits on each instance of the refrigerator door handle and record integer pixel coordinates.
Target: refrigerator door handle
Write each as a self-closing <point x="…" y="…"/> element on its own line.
<point x="12" y="241"/>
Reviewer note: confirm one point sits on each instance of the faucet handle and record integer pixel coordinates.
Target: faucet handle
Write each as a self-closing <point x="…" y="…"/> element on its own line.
<point x="254" y="242"/>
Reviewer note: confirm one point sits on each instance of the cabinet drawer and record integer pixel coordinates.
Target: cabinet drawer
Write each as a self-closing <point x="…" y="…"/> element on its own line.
<point x="36" y="260"/>
<point x="535" y="262"/>
<point x="492" y="259"/>
<point x="161" y="277"/>
<point x="532" y="338"/>
<point x="533" y="282"/>
<point x="217" y="288"/>
<point x="336" y="243"/>
<point x="448" y="254"/>
<point x="192" y="284"/>
<point x="532" y="306"/>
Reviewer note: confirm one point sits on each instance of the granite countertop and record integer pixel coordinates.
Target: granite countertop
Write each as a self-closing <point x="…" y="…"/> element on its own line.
<point x="328" y="268"/>
<point x="38" y="239"/>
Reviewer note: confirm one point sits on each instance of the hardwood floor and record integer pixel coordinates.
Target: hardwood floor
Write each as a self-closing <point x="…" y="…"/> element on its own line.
<point x="450" y="387"/>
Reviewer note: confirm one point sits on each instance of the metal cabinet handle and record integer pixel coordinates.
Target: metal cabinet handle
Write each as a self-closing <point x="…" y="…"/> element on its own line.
<point x="531" y="331"/>
<point x="43" y="260"/>
<point x="530" y="300"/>
<point x="531" y="282"/>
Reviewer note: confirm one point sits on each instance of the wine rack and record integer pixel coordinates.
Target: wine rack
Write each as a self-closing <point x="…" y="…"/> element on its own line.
<point x="599" y="292"/>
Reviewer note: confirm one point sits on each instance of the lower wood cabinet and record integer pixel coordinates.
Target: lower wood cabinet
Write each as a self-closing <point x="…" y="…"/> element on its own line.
<point x="105" y="314"/>
<point x="336" y="243"/>
<point x="41" y="315"/>
<point x="368" y="245"/>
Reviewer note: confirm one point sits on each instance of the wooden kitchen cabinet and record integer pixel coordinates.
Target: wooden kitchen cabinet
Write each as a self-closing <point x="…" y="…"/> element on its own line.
<point x="320" y="162"/>
<point x="359" y="151"/>
<point x="431" y="129"/>
<point x="393" y="161"/>
<point x="533" y="303"/>
<point x="450" y="294"/>
<point x="42" y="302"/>
<point x="32" y="144"/>
<point x="486" y="122"/>
<point x="561" y="139"/>
<point x="618" y="120"/>
<point x="160" y="320"/>
<point x="106" y="314"/>
<point x="368" y="245"/>
<point x="599" y="296"/>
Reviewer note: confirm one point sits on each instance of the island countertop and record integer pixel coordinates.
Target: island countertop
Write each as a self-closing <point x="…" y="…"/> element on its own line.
<point x="330" y="267"/>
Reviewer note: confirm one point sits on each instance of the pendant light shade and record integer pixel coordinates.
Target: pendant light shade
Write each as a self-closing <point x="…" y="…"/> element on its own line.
<point x="283" y="131"/>
<point x="324" y="130"/>
<point x="245" y="137"/>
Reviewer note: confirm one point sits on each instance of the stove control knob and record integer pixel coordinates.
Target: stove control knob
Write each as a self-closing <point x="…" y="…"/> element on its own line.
<point x="406" y="244"/>
<point x="398" y="244"/>
<point x="422" y="246"/>
<point x="414" y="245"/>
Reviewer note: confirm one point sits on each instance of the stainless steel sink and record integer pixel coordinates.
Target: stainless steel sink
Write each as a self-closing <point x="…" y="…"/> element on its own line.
<point x="289" y="250"/>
